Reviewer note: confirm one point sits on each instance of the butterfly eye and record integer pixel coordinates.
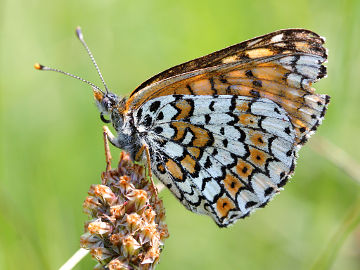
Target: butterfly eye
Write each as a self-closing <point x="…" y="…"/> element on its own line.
<point x="104" y="119"/>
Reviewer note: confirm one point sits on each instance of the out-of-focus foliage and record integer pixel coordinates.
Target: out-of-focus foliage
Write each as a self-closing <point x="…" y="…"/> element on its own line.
<point x="51" y="138"/>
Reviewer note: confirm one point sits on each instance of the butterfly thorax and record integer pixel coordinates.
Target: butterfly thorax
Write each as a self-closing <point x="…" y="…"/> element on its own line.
<point x="127" y="138"/>
<point x="114" y="106"/>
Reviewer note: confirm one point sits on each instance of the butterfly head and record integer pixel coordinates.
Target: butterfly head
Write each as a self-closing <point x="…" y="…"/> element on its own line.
<point x="105" y="101"/>
<point x="109" y="104"/>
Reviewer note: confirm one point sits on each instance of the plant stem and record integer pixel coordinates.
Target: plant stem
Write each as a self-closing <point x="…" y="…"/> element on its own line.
<point x="75" y="259"/>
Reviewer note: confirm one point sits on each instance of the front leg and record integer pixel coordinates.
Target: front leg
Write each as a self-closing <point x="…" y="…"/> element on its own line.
<point x="112" y="139"/>
<point x="108" y="137"/>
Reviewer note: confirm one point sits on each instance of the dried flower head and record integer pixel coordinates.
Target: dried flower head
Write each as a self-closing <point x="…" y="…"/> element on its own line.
<point x="127" y="228"/>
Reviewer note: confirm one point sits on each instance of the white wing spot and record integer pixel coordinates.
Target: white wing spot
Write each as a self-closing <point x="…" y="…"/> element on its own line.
<point x="277" y="38"/>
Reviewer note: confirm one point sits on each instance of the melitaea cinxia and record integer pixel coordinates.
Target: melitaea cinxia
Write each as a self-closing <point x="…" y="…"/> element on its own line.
<point x="223" y="130"/>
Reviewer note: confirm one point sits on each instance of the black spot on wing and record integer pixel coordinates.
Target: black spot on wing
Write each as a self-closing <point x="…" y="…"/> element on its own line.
<point x="158" y="130"/>
<point x="160" y="116"/>
<point x="207" y="118"/>
<point x="211" y="107"/>
<point x="147" y="120"/>
<point x="154" y="106"/>
<point x="287" y="130"/>
<point x="255" y="93"/>
<point x="257" y="83"/>
<point x="249" y="73"/>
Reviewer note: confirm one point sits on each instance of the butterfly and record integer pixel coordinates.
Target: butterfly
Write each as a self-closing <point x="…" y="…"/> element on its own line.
<point x="222" y="131"/>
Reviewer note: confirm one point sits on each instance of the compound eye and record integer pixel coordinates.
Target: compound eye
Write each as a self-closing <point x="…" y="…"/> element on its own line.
<point x="104" y="119"/>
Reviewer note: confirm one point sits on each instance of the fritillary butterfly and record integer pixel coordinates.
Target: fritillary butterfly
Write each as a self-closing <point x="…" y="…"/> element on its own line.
<point x="222" y="131"/>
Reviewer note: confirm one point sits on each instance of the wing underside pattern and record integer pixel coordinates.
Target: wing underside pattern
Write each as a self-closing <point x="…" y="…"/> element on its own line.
<point x="224" y="129"/>
<point x="221" y="156"/>
<point x="280" y="66"/>
<point x="286" y="81"/>
<point x="281" y="42"/>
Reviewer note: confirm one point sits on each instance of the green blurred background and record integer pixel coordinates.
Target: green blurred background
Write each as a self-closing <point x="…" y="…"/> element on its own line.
<point x="51" y="140"/>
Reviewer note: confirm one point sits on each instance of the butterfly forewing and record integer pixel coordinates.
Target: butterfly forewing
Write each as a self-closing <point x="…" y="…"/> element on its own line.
<point x="280" y="66"/>
<point x="279" y="42"/>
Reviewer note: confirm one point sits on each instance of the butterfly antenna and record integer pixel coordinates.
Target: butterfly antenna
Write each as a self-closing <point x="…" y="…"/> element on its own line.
<point x="79" y="34"/>
<point x="41" y="67"/>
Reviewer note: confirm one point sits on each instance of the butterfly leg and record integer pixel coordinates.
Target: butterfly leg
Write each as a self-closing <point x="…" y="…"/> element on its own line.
<point x="108" y="136"/>
<point x="148" y="161"/>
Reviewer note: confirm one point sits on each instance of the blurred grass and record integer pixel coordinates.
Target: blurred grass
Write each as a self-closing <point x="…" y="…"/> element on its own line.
<point x="350" y="222"/>
<point x="51" y="145"/>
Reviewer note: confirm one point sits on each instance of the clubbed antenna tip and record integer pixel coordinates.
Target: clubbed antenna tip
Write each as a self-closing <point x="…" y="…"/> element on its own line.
<point x="41" y="67"/>
<point x="38" y="66"/>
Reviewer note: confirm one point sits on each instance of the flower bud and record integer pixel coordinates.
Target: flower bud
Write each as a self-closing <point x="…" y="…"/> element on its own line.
<point x="91" y="205"/>
<point x="147" y="233"/>
<point x="100" y="228"/>
<point x="104" y="193"/>
<point x="118" y="210"/>
<point x="88" y="240"/>
<point x="152" y="255"/>
<point x="117" y="264"/>
<point x="150" y="215"/>
<point x="124" y="184"/>
<point x="133" y="222"/>
<point x="139" y="197"/>
<point x="129" y="246"/>
<point x="101" y="253"/>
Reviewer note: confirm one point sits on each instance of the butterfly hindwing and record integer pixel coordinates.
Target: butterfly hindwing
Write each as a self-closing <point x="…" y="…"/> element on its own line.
<point x="220" y="155"/>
